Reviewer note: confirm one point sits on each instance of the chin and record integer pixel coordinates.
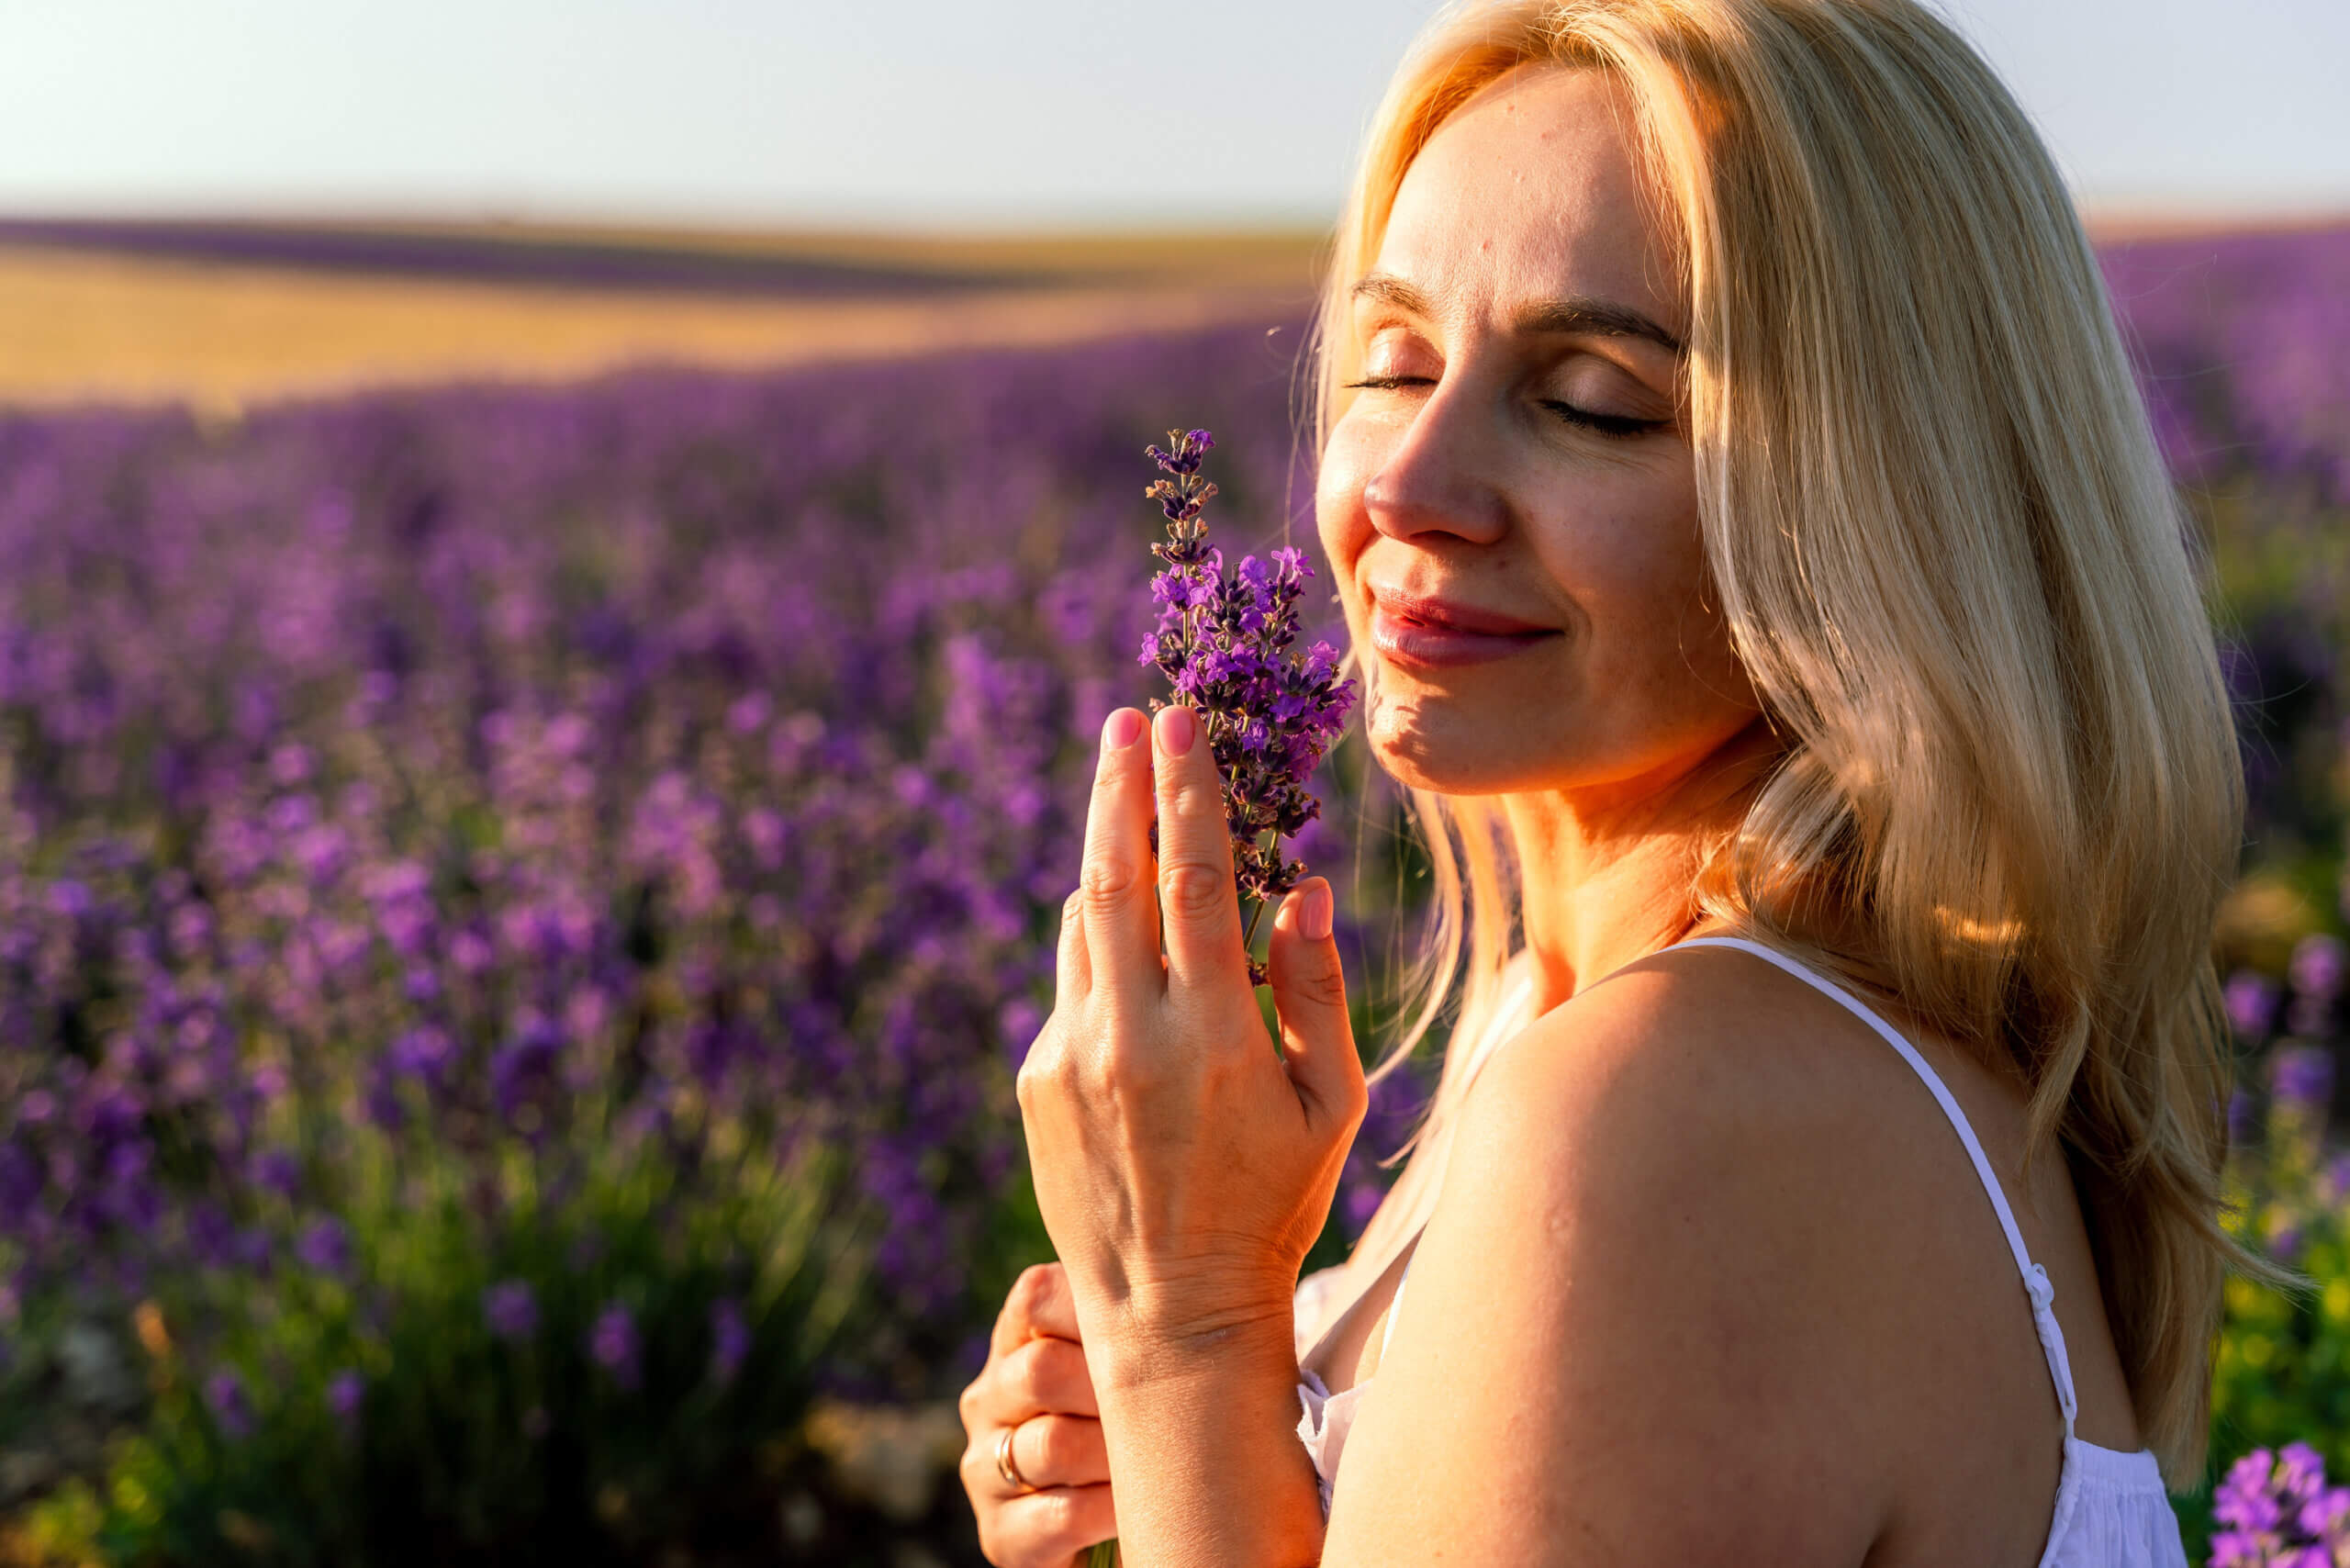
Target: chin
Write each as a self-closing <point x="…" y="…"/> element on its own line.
<point x="1431" y="745"/>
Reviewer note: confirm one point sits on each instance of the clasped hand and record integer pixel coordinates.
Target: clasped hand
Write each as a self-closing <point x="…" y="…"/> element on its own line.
<point x="1183" y="1166"/>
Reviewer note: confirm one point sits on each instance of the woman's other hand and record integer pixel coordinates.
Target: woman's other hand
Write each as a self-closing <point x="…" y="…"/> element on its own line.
<point x="1036" y="1386"/>
<point x="1183" y="1166"/>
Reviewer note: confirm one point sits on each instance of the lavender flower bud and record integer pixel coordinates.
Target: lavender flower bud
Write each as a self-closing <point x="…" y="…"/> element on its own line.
<point x="345" y="1390"/>
<point x="613" y="1341"/>
<point x="224" y="1392"/>
<point x="511" y="1309"/>
<point x="730" y="1341"/>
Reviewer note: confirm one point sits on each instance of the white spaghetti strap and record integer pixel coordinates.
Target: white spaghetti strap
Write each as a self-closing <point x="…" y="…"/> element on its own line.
<point x="2035" y="1278"/>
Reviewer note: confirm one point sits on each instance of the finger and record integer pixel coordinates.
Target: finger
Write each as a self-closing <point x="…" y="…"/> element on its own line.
<point x="1052" y="1525"/>
<point x="1072" y="966"/>
<point x="1038" y="1303"/>
<point x="1195" y="887"/>
<point x="1310" y="996"/>
<point x="1121" y="906"/>
<point x="1060" y="1450"/>
<point x="1044" y="1377"/>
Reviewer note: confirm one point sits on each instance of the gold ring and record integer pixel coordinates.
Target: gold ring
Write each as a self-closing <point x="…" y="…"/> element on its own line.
<point x="1003" y="1465"/>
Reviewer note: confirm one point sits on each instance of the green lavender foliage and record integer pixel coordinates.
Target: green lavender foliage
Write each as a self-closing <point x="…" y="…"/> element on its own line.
<point x="588" y="1377"/>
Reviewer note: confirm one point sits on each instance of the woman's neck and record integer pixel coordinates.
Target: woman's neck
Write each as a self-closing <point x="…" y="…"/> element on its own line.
<point x="1607" y="876"/>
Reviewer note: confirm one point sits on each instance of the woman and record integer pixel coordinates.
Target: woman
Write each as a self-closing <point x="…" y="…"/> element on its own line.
<point x="1765" y="583"/>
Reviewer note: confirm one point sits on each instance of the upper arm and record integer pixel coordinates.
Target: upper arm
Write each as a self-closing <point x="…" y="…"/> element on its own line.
<point x="1618" y="1344"/>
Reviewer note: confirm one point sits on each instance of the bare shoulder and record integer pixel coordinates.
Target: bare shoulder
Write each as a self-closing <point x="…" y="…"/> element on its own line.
<point x="1688" y="1137"/>
<point x="1682" y="1065"/>
<point x="1704" y="1104"/>
<point x="1625" y="1288"/>
<point x="1686" y="1232"/>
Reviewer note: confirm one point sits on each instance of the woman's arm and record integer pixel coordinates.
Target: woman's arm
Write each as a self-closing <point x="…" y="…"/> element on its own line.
<point x="1183" y="1166"/>
<point x="1202" y="1430"/>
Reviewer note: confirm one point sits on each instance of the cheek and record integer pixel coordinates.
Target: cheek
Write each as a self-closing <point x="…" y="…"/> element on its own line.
<point x="1339" y="517"/>
<point x="1630" y="559"/>
<point x="1655" y="642"/>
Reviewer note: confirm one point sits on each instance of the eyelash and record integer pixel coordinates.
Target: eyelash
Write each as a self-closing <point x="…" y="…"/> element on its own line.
<point x="1612" y="425"/>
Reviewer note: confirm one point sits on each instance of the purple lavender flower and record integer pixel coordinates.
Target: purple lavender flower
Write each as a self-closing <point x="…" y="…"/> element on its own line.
<point x="1223" y="641"/>
<point x="324" y="1247"/>
<point x="522" y="1074"/>
<point x="2278" y="1512"/>
<point x="730" y="1340"/>
<point x="345" y="1390"/>
<point x="224" y="1395"/>
<point x="2300" y="1472"/>
<point x="2242" y="1497"/>
<point x="2327" y="1515"/>
<point x="2316" y="975"/>
<point x="2238" y="1548"/>
<point x="279" y="1172"/>
<point x="250" y="1251"/>
<point x="613" y="1342"/>
<point x="2252" y="1003"/>
<point x="2302" y="1077"/>
<point x="2318" y="967"/>
<point x="511" y="1309"/>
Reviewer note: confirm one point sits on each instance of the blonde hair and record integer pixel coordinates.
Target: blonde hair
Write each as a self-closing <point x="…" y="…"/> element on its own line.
<point x="1952" y="565"/>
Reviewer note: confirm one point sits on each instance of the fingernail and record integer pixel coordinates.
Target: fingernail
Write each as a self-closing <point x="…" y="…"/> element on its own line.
<point x="1121" y="730"/>
<point x="1314" y="911"/>
<point x="1177" y="727"/>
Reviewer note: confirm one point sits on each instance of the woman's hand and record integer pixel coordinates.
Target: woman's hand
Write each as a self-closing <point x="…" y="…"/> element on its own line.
<point x="1036" y="1386"/>
<point x="1183" y="1166"/>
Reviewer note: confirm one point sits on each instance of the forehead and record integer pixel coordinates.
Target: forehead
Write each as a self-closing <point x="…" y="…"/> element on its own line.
<point x="1532" y="191"/>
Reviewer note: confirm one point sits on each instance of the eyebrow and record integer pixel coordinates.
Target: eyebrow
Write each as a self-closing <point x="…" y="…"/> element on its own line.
<point x="1577" y="314"/>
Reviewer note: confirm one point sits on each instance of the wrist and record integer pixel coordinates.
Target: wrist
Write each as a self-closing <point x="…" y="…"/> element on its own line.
<point x="1199" y="1414"/>
<point x="1159" y="1338"/>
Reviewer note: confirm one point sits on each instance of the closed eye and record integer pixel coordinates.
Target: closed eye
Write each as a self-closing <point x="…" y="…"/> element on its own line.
<point x="1604" y="424"/>
<point x="1618" y="425"/>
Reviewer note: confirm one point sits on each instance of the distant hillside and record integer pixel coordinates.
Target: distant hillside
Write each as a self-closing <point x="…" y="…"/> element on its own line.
<point x="797" y="265"/>
<point x="226" y="313"/>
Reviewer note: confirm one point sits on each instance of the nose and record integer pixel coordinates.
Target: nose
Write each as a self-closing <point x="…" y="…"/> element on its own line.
<point x="1438" y="478"/>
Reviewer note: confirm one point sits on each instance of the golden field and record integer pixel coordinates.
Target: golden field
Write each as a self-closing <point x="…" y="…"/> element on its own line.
<point x="113" y="325"/>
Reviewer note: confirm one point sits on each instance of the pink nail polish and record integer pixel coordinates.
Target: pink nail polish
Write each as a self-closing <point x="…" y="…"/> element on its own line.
<point x="1177" y="726"/>
<point x="1122" y="730"/>
<point x="1313" y="913"/>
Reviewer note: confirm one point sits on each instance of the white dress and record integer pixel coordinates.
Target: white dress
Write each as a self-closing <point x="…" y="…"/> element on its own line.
<point x="2110" y="1509"/>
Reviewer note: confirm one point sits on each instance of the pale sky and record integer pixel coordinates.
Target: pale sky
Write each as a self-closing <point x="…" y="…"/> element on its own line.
<point x="977" y="113"/>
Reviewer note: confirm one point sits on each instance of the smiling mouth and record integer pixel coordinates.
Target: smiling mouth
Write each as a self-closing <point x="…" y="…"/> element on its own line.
<point x="1432" y="636"/>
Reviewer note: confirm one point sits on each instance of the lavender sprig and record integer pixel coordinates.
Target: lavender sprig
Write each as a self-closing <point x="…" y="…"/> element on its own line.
<point x="2277" y="1512"/>
<point x="1223" y="643"/>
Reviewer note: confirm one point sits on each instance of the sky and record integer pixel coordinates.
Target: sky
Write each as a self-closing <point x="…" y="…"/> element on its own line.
<point x="979" y="114"/>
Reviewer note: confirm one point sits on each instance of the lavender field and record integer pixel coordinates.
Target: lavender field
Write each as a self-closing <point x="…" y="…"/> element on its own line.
<point x="519" y="911"/>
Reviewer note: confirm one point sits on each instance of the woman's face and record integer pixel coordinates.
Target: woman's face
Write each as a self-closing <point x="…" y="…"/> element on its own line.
<point x="1509" y="500"/>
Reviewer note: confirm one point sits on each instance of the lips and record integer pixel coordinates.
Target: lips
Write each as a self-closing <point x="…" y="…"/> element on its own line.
<point x="1441" y="633"/>
<point x="1451" y="616"/>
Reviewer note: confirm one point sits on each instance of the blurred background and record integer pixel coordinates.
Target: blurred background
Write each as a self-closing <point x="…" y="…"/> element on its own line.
<point x="558" y="567"/>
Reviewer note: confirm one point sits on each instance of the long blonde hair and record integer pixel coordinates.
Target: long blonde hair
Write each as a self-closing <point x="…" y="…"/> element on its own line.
<point x="1950" y="560"/>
